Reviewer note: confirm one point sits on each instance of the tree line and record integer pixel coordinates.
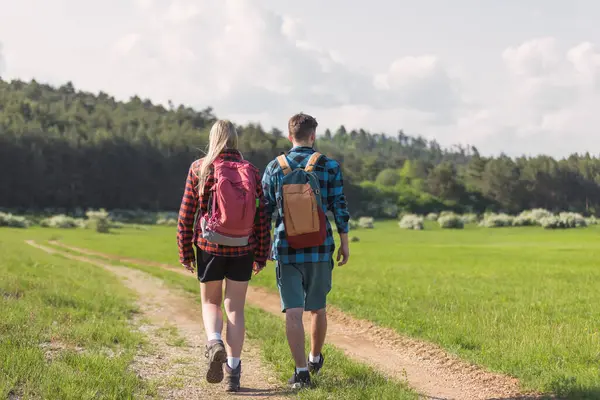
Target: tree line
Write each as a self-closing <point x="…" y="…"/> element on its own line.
<point x="66" y="149"/>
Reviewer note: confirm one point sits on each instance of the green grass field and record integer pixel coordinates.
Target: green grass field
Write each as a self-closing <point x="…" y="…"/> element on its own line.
<point x="522" y="301"/>
<point x="65" y="328"/>
<point x="346" y="379"/>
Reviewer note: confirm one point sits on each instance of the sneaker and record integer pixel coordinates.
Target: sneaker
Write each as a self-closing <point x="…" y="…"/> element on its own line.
<point x="300" y="380"/>
<point x="216" y="355"/>
<point x="315" y="367"/>
<point x="232" y="377"/>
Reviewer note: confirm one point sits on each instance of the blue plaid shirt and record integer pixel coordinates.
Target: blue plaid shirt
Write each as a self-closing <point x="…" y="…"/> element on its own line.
<point x="332" y="191"/>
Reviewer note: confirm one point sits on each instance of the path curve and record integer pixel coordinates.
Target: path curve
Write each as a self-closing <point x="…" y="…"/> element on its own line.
<point x="179" y="370"/>
<point x="426" y="367"/>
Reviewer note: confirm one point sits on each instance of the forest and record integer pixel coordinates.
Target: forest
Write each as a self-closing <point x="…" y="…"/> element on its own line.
<point x="66" y="150"/>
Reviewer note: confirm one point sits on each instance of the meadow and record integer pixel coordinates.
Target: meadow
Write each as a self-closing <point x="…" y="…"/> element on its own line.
<point x="65" y="328"/>
<point x="70" y="335"/>
<point x="522" y="301"/>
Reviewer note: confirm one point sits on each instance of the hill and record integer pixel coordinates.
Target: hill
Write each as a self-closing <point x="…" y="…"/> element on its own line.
<point x="67" y="149"/>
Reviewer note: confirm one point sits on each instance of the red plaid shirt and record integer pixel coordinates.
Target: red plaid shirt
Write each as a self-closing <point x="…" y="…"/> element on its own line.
<point x="260" y="240"/>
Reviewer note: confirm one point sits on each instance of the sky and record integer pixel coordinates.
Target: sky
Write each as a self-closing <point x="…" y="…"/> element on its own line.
<point x="512" y="76"/>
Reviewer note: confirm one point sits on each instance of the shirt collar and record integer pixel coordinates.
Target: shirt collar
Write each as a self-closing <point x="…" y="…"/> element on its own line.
<point x="303" y="149"/>
<point x="230" y="153"/>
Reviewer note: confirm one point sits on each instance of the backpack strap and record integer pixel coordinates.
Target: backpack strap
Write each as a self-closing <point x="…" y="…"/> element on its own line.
<point x="312" y="161"/>
<point x="283" y="163"/>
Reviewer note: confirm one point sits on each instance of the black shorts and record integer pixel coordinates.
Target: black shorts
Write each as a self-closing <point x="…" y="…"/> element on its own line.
<point x="216" y="268"/>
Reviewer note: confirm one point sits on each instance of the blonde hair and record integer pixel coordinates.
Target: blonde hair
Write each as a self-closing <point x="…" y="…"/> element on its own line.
<point x="222" y="136"/>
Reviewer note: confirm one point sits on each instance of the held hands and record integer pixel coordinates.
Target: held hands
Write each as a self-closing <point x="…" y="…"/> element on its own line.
<point x="257" y="267"/>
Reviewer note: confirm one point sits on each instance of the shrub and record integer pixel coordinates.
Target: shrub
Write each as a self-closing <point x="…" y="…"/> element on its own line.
<point x="167" y="222"/>
<point x="116" y="225"/>
<point x="451" y="221"/>
<point x="572" y="220"/>
<point x="133" y="216"/>
<point x="470" y="218"/>
<point x="353" y="224"/>
<point x="432" y="217"/>
<point x="525" y="220"/>
<point x="60" y="221"/>
<point x="13" y="221"/>
<point x="551" y="222"/>
<point x="366" y="223"/>
<point x="592" y="221"/>
<point x="497" y="221"/>
<point x="539" y="213"/>
<point x="411" y="221"/>
<point x="99" y="220"/>
<point x="531" y="217"/>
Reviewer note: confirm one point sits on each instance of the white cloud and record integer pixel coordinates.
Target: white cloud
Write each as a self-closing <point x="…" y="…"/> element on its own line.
<point x="1" y="60"/>
<point x="254" y="64"/>
<point x="420" y="83"/>
<point x="550" y="102"/>
<point x="244" y="59"/>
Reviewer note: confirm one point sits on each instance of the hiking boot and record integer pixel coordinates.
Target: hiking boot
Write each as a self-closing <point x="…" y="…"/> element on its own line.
<point x="216" y="355"/>
<point x="315" y="367"/>
<point x="232" y="378"/>
<point x="300" y="380"/>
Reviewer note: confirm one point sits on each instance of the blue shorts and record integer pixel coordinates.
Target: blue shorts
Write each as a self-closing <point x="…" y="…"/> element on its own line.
<point x="304" y="285"/>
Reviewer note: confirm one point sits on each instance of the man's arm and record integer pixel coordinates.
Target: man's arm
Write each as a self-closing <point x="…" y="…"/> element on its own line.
<point x="268" y="187"/>
<point x="339" y="207"/>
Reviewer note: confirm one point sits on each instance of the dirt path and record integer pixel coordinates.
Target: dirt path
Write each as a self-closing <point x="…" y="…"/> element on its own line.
<point x="426" y="367"/>
<point x="174" y="359"/>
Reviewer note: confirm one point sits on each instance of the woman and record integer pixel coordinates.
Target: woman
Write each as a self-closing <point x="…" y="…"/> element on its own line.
<point x="214" y="184"/>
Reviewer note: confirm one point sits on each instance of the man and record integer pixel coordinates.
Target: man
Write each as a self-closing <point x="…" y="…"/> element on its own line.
<point x="304" y="274"/>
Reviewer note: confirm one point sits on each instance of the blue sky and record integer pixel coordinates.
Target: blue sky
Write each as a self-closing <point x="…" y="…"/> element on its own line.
<point x="514" y="76"/>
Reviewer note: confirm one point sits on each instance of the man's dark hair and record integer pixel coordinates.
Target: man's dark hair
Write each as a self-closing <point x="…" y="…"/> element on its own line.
<point x="301" y="126"/>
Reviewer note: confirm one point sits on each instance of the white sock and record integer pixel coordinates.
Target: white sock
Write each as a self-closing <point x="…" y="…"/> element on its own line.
<point x="298" y="370"/>
<point x="214" y="336"/>
<point x="233" y="362"/>
<point x="314" y="359"/>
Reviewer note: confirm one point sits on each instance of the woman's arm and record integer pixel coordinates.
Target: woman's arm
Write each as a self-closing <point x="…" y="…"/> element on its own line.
<point x="262" y="226"/>
<point x="187" y="213"/>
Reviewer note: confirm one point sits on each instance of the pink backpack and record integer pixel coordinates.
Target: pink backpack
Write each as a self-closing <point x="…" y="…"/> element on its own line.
<point x="232" y="208"/>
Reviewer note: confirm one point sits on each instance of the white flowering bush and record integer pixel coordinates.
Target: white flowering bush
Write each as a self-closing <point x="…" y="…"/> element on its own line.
<point x="62" y="221"/>
<point x="591" y="220"/>
<point x="13" y="221"/>
<point x="496" y="220"/>
<point x="432" y="217"/>
<point x="166" y="222"/>
<point x="470" y="218"/>
<point x="99" y="220"/>
<point x="572" y="220"/>
<point x="551" y="222"/>
<point x="564" y="220"/>
<point x="411" y="221"/>
<point x="531" y="217"/>
<point x="366" y="223"/>
<point x="451" y="221"/>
